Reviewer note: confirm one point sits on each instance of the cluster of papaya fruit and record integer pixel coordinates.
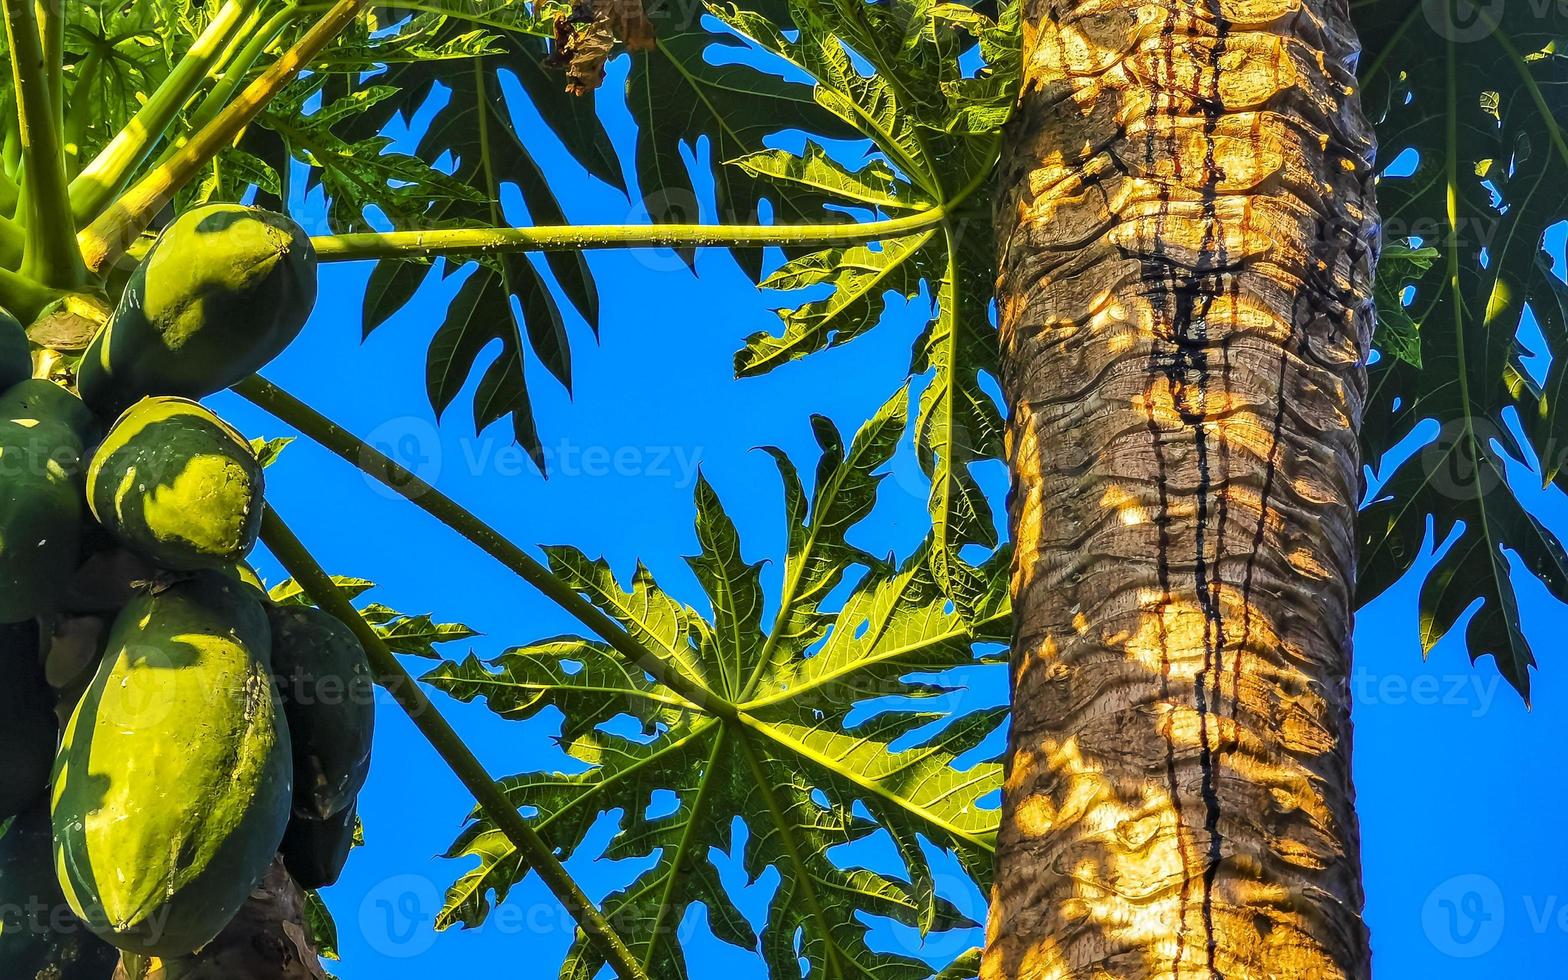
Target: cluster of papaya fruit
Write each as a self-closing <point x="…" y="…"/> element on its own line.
<point x="166" y="730"/>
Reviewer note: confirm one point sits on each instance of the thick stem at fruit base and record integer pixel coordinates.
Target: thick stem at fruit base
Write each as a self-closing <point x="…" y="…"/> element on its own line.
<point x="570" y="238"/>
<point x="457" y="755"/>
<point x="376" y="465"/>
<point x="107" y="238"/>
<point x="106" y="176"/>
<point x="22" y="297"/>
<point x="50" y="255"/>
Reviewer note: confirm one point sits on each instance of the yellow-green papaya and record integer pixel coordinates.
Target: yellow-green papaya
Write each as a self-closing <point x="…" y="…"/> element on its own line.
<point x="329" y="697"/>
<point x="40" y="515"/>
<point x="40" y="939"/>
<point x="28" y="731"/>
<point x="16" y="354"/>
<point x="173" y="781"/>
<point x="260" y="944"/>
<point x="178" y="485"/>
<point x="223" y="290"/>
<point x="315" y="851"/>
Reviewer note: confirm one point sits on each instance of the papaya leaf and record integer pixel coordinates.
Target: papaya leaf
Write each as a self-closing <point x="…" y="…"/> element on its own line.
<point x="683" y="89"/>
<point x="479" y="314"/>
<point x="1467" y="98"/>
<point x="966" y="967"/>
<point x="416" y="635"/>
<point x="800" y="758"/>
<point x="413" y="635"/>
<point x="506" y="298"/>
<point x="116" y="54"/>
<point x="933" y="127"/>
<point x="360" y="174"/>
<point x="289" y="593"/>
<point x="268" y="450"/>
<point x="1398" y="334"/>
<point x="388" y="37"/>
<point x="320" y="926"/>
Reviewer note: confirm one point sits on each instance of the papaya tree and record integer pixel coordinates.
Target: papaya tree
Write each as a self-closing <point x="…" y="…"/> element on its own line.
<point x="1172" y="236"/>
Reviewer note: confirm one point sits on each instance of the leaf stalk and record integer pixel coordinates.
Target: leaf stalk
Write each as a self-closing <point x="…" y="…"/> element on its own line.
<point x="392" y="676"/>
<point x="235" y="71"/>
<point x="49" y="255"/>
<point x="106" y="176"/>
<point x="107" y="238"/>
<point x="399" y="480"/>
<point x="546" y="238"/>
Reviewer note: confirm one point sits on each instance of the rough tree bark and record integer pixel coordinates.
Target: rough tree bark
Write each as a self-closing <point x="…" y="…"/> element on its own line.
<point x="1186" y="247"/>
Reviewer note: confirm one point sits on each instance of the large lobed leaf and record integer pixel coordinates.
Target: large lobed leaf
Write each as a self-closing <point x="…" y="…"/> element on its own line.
<point x="934" y="131"/>
<point x="460" y="52"/>
<point x="792" y="759"/>
<point x="1475" y="93"/>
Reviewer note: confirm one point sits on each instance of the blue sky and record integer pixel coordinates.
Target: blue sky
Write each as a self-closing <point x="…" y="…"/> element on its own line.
<point x="1461" y="788"/>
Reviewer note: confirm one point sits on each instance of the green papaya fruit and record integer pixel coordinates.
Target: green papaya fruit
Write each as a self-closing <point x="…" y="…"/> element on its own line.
<point x="172" y="784"/>
<point x="108" y="577"/>
<point x="178" y="485"/>
<point x="262" y="943"/>
<point x="315" y="851"/>
<point x="223" y="290"/>
<point x="329" y="697"/>
<point x="28" y="730"/>
<point x="40" y="939"/>
<point x="72" y="651"/>
<point x="16" y="354"/>
<point x="242" y="573"/>
<point x="41" y="400"/>
<point x="40" y="515"/>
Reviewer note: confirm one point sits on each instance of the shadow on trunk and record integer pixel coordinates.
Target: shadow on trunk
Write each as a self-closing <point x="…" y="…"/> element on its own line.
<point x="1186" y="242"/>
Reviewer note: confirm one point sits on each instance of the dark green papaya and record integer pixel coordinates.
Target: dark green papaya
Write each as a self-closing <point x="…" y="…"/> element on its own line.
<point x="178" y="485"/>
<point x="16" y="354"/>
<point x="41" y="400"/>
<point x="242" y="573"/>
<point x="315" y="851"/>
<point x="223" y="290"/>
<point x="172" y="784"/>
<point x="262" y="943"/>
<point x="40" y="515"/>
<point x="40" y="939"/>
<point x="28" y="730"/>
<point x="72" y="651"/>
<point x="329" y="697"/>
<point x="109" y="576"/>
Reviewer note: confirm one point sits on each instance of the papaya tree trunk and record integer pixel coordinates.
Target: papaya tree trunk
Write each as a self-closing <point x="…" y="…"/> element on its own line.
<point x="1186" y="246"/>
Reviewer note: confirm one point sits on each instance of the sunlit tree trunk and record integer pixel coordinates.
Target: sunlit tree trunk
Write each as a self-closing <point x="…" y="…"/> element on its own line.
<point x="1186" y="243"/>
